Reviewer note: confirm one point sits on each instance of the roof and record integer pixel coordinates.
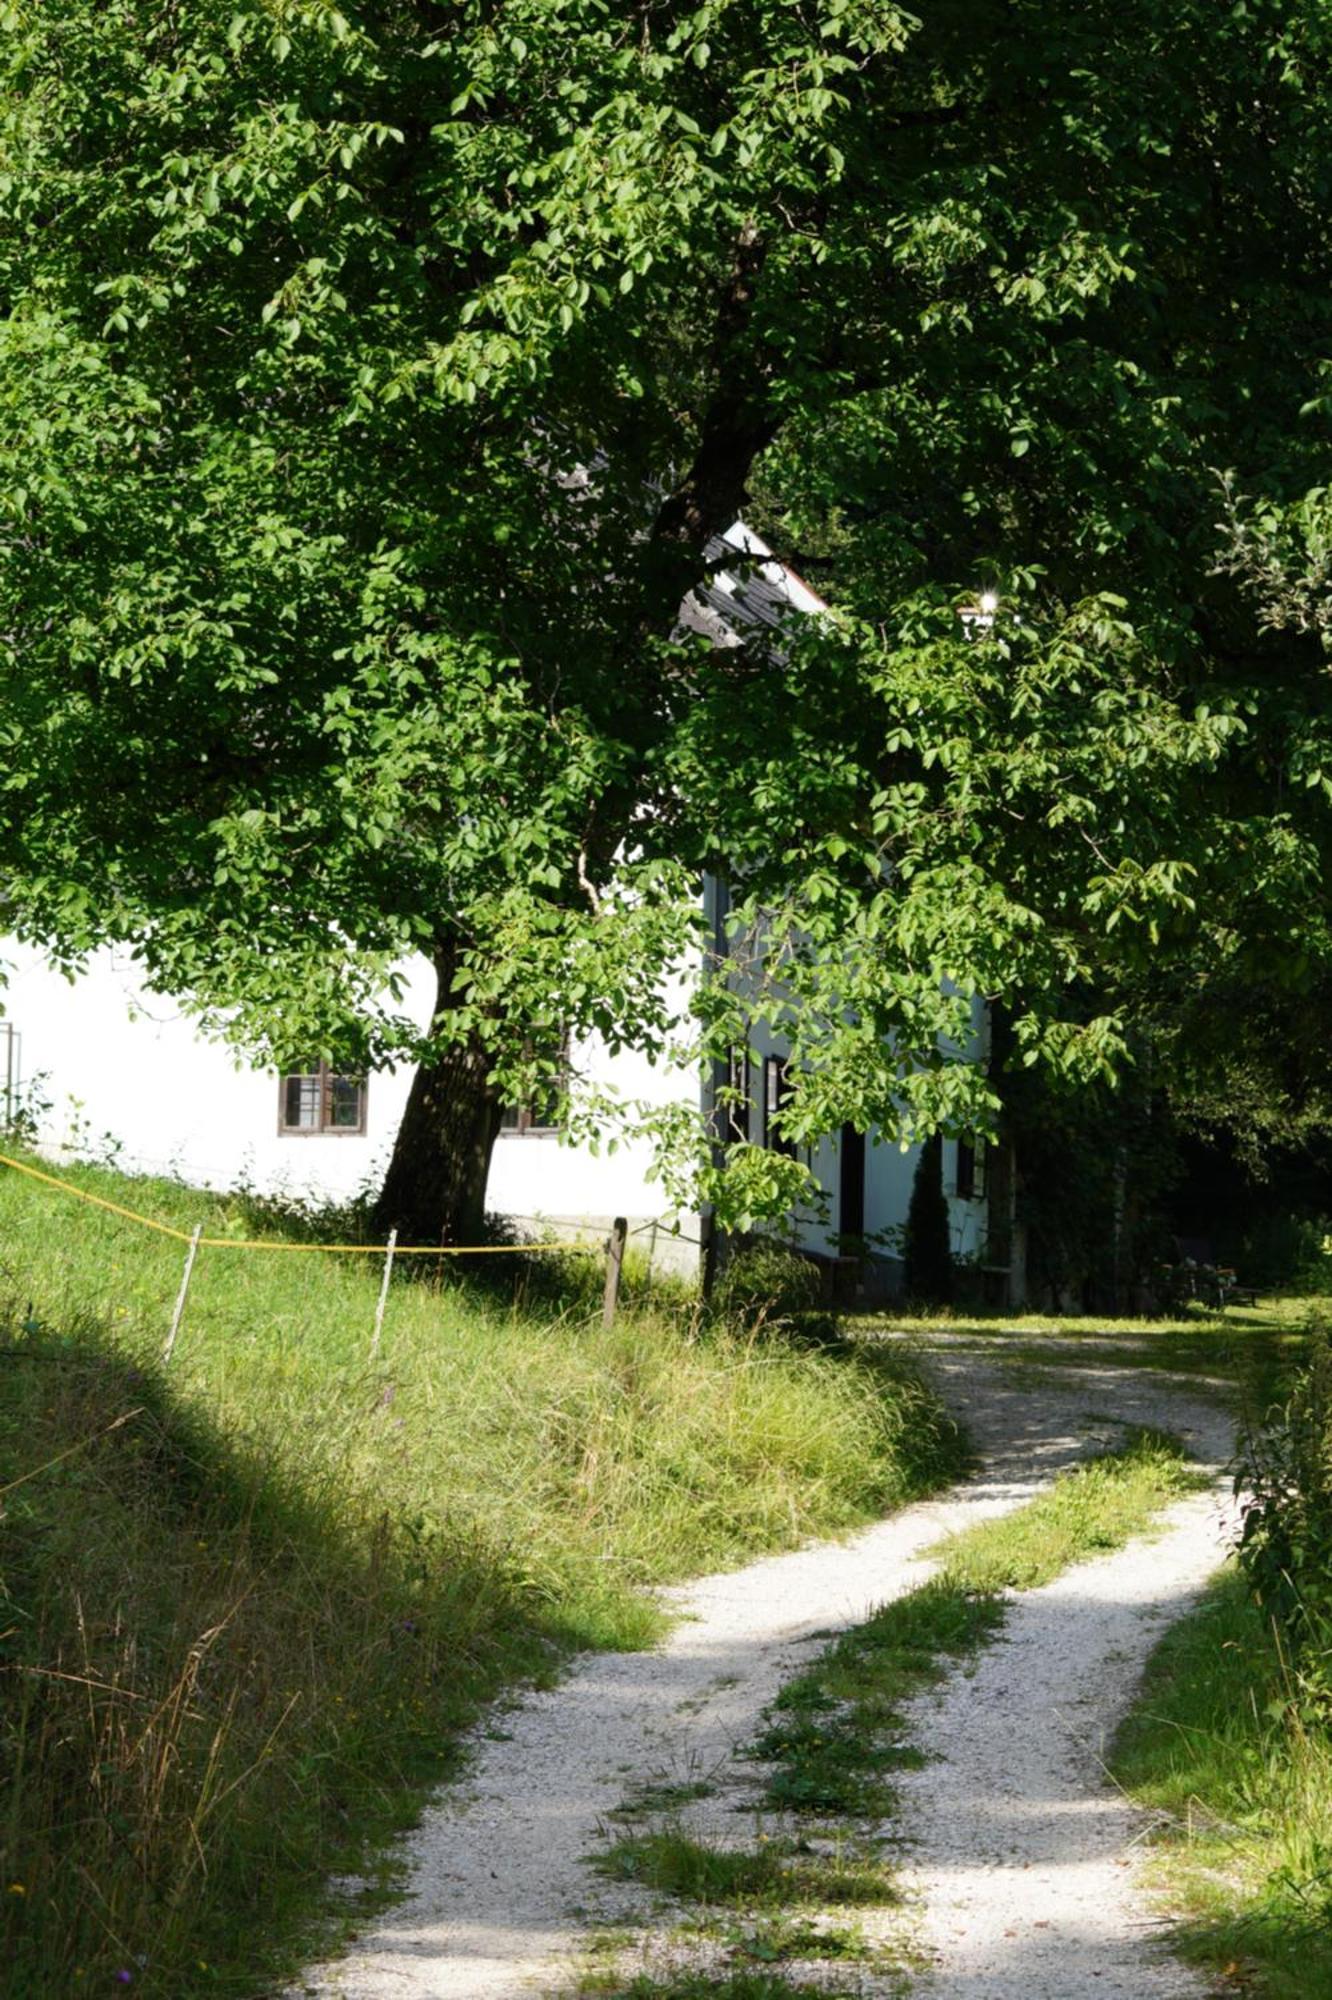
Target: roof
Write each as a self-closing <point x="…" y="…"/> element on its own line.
<point x="753" y="588"/>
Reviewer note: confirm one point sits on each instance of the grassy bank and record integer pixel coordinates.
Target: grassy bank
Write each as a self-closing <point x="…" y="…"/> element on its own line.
<point x="1242" y="1786"/>
<point x="251" y="1598"/>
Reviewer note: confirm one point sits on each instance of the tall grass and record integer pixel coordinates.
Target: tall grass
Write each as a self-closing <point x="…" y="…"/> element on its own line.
<point x="1232" y="1742"/>
<point x="250" y="1600"/>
<point x="1239" y="1777"/>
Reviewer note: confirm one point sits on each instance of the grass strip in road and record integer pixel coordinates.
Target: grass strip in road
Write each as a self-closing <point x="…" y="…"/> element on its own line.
<point x="837" y="1732"/>
<point x="1087" y="1511"/>
<point x="781" y="1874"/>
<point x="708" y="1986"/>
<point x="1241" y="1784"/>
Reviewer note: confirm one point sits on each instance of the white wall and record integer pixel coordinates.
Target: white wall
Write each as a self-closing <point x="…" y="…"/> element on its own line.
<point x="127" y="1068"/>
<point x="130" y="1069"/>
<point x="889" y="1174"/>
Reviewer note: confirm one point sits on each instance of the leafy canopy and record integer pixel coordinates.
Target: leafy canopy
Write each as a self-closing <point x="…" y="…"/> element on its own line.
<point x="373" y="381"/>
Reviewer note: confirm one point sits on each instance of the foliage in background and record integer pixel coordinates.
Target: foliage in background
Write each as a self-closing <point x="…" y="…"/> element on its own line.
<point x="1095" y="1168"/>
<point x="248" y="1601"/>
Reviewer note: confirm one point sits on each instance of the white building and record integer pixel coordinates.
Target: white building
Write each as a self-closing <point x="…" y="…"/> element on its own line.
<point x="111" y="1072"/>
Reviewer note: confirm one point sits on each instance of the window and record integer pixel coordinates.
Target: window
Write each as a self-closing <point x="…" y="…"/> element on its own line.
<point x="776" y="1095"/>
<point x="970" y="1170"/>
<point x="542" y="1113"/>
<point x="529" y="1117"/>
<point x="318" y="1100"/>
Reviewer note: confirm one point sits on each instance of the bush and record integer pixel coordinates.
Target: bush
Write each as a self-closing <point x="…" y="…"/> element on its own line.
<point x="767" y="1285"/>
<point x="1282" y="1252"/>
<point x="927" y="1259"/>
<point x="1285" y="1475"/>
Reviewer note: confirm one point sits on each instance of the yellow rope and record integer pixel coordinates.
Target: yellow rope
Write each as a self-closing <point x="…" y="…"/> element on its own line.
<point x="344" y="1249"/>
<point x="165" y="1229"/>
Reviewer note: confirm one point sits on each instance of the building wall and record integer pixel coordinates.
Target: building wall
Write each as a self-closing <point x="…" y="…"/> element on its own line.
<point x="889" y="1173"/>
<point x="127" y="1075"/>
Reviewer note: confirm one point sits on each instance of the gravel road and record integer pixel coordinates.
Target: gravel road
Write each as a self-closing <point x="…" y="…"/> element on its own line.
<point x="1019" y="1850"/>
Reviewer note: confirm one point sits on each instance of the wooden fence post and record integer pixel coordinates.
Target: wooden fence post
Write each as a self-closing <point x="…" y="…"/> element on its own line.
<point x="179" y="1313"/>
<point x="614" y="1265"/>
<point x="383" y="1292"/>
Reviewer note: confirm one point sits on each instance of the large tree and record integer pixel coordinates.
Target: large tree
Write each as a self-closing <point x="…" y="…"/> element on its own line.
<point x="373" y="383"/>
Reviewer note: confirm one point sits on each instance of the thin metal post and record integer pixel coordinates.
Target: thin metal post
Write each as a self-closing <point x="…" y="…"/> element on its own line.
<point x="614" y="1265"/>
<point x="383" y="1292"/>
<point x="179" y="1313"/>
<point x="652" y="1251"/>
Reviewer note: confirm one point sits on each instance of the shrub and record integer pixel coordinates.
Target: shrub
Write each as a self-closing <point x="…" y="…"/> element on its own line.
<point x="927" y="1275"/>
<point x="1281" y="1251"/>
<point x="1284" y="1474"/>
<point x="768" y="1285"/>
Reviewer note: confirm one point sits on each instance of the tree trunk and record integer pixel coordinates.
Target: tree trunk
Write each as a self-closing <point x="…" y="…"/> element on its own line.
<point x="435" y="1187"/>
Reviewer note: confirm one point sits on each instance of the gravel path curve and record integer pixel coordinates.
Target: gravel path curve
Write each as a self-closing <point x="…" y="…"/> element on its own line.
<point x="500" y="1891"/>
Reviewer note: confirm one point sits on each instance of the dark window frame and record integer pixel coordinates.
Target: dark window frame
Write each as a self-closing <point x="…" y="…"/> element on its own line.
<point x="519" y="1121"/>
<point x="524" y="1121"/>
<point x="776" y="1095"/>
<point x="969" y="1172"/>
<point x="324" y="1078"/>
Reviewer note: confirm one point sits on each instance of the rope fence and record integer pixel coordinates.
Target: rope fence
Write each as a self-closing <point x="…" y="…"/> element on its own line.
<point x="195" y="1240"/>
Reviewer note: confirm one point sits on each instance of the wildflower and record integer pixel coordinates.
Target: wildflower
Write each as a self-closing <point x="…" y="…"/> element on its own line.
<point x="17" y="1889"/>
<point x="124" y="1977"/>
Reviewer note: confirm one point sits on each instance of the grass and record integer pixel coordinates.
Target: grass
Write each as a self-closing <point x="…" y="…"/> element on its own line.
<point x="1279" y="1314"/>
<point x="778" y="1874"/>
<point x="709" y="1986"/>
<point x="1254" y="1348"/>
<point x="248" y="1601"/>
<point x="1091" y="1508"/>
<point x="1241" y="1784"/>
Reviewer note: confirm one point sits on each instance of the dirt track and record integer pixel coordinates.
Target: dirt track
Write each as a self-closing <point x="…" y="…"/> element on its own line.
<point x="1018" y="1849"/>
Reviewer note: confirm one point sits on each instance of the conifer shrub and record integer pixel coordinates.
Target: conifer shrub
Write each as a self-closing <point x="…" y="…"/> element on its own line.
<point x="927" y="1259"/>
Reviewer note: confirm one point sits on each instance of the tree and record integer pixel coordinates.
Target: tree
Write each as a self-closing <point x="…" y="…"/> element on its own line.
<point x="373" y="383"/>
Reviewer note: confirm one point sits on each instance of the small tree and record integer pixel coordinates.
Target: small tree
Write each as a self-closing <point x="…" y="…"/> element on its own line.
<point x="927" y="1259"/>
